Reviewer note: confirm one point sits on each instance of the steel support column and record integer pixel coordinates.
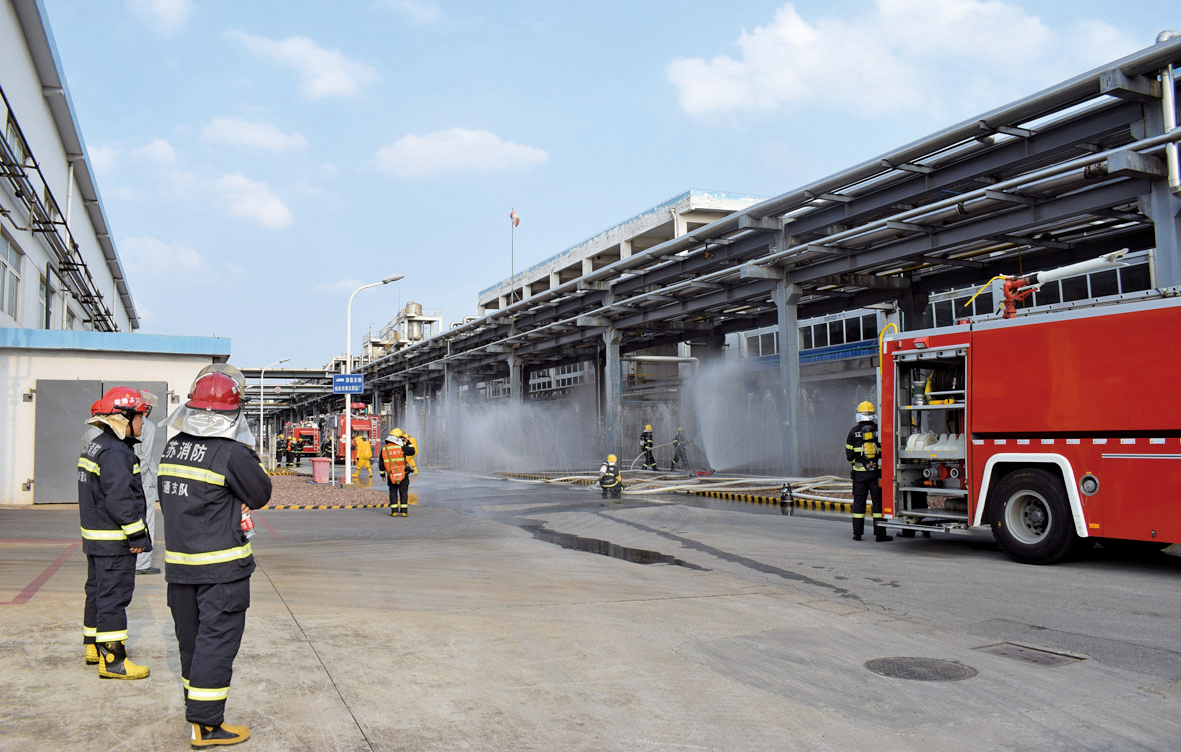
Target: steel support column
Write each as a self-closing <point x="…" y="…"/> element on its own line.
<point x="612" y="392"/>
<point x="787" y="296"/>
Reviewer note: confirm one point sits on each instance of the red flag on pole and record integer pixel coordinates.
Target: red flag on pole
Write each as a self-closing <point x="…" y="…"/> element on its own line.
<point x="514" y="218"/>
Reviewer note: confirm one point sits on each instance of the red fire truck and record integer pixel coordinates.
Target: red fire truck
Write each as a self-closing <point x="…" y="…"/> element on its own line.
<point x="307" y="433"/>
<point x="1052" y="429"/>
<point x="365" y="425"/>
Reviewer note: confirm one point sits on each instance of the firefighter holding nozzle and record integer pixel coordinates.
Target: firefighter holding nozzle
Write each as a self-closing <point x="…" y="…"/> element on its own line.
<point x="864" y="452"/>
<point x="610" y="479"/>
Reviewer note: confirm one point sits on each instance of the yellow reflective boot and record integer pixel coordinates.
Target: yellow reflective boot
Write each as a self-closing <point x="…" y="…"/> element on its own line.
<point x="221" y="735"/>
<point x="114" y="664"/>
<point x="91" y="653"/>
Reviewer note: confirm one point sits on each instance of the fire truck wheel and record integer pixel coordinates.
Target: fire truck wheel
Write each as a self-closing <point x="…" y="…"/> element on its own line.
<point x="1031" y="518"/>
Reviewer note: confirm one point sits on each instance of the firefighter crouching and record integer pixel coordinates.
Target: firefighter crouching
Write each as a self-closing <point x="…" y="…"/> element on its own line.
<point x="610" y="479"/>
<point x="864" y="452"/>
<point x="111" y="507"/>
<point x="210" y="479"/>
<point x="396" y="472"/>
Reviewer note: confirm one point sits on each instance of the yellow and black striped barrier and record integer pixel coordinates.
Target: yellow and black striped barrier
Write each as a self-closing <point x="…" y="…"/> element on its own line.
<point x="811" y="504"/>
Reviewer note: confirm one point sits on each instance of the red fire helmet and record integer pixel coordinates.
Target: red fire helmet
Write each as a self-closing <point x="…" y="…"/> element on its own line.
<point x="121" y="399"/>
<point x="215" y="391"/>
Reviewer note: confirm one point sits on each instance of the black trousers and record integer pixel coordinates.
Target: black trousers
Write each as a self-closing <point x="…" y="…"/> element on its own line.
<point x="110" y="583"/>
<point x="400" y="495"/>
<point x="209" y="621"/>
<point x="867" y="483"/>
<point x="649" y="460"/>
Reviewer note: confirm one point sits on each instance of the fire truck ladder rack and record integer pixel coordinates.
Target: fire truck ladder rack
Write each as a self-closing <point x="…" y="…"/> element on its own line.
<point x="19" y="167"/>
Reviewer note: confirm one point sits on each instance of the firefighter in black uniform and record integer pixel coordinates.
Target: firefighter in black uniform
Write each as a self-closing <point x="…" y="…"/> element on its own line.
<point x="610" y="479"/>
<point x="111" y="507"/>
<point x="678" y="449"/>
<point x="864" y="452"/>
<point x="297" y="448"/>
<point x="210" y="479"/>
<point x="646" y="447"/>
<point x="395" y="469"/>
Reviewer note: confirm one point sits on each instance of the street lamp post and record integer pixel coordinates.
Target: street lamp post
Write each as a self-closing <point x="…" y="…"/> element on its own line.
<point x="348" y="368"/>
<point x="262" y="398"/>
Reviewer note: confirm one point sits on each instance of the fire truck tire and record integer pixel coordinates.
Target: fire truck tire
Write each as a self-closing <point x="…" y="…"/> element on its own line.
<point x="1031" y="518"/>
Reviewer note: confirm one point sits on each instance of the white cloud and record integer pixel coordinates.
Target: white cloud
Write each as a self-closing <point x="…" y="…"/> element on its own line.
<point x="146" y="252"/>
<point x="322" y="72"/>
<point x="260" y="135"/>
<point x="419" y="11"/>
<point x="165" y="16"/>
<point x="252" y="200"/>
<point x="159" y="151"/>
<point x="455" y="150"/>
<point x="104" y="158"/>
<point x="957" y="56"/>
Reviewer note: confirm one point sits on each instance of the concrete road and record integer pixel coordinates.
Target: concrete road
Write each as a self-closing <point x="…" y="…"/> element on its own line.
<point x="467" y="626"/>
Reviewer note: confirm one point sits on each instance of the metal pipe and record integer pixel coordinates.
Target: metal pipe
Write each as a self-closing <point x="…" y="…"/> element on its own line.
<point x="1169" y="110"/>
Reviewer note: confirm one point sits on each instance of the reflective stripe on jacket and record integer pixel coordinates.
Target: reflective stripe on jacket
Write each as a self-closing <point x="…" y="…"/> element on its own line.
<point x="203" y="484"/>
<point x="111" y="502"/>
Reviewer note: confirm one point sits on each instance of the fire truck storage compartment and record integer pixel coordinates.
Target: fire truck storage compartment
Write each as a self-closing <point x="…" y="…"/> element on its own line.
<point x="930" y="438"/>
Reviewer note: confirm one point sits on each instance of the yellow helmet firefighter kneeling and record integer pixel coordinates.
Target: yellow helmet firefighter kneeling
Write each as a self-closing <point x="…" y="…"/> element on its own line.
<point x="862" y="450"/>
<point x="610" y="479"/>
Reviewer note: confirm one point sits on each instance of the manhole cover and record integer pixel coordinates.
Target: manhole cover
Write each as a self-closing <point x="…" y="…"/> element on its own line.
<point x="921" y="669"/>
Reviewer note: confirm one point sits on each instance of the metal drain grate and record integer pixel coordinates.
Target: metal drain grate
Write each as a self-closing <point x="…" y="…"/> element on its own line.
<point x="920" y="669"/>
<point x="1030" y="655"/>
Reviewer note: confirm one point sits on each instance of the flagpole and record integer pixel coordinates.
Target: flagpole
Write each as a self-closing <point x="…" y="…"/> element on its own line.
<point x="512" y="255"/>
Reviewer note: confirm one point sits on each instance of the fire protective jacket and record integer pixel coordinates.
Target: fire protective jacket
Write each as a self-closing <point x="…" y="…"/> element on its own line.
<point x="862" y="449"/>
<point x="203" y="484"/>
<point x="393" y="461"/>
<point x="111" y="500"/>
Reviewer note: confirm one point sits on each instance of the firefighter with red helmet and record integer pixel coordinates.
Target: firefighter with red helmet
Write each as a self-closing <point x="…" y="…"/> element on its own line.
<point x="210" y="478"/>
<point x="394" y="469"/>
<point x="863" y="450"/>
<point x="111" y="507"/>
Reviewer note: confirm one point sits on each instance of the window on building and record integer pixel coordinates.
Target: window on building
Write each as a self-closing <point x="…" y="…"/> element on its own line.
<point x="43" y="302"/>
<point x="1048" y="294"/>
<point x="1074" y="288"/>
<point x="944" y="315"/>
<point x="1105" y="283"/>
<point x="10" y="269"/>
<point x="71" y="321"/>
<point x="820" y="334"/>
<point x="836" y="333"/>
<point x="853" y="329"/>
<point x="767" y="344"/>
<point x="752" y="346"/>
<point x="869" y="326"/>
<point x="805" y="338"/>
<point x="1135" y="278"/>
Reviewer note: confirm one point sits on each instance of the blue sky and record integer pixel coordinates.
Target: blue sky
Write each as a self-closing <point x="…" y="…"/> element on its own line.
<point x="259" y="160"/>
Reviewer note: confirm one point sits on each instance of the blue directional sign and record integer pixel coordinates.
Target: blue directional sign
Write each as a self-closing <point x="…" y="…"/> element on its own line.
<point x="348" y="383"/>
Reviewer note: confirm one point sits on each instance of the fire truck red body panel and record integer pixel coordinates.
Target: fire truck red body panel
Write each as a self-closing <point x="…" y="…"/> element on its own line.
<point x="310" y="436"/>
<point x="367" y="425"/>
<point x="1086" y="396"/>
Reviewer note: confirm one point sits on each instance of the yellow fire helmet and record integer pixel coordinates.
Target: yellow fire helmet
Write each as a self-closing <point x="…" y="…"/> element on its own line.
<point x="612" y="458"/>
<point x="648" y="427"/>
<point x="865" y="407"/>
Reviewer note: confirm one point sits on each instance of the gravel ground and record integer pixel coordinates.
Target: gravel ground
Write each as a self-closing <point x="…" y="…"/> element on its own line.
<point x="298" y="490"/>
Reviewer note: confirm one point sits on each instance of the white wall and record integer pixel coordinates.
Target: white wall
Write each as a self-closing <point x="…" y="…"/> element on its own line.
<point x="20" y="370"/>
<point x="23" y="88"/>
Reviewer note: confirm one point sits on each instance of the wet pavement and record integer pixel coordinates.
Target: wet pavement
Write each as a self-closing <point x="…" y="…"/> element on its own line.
<point x="516" y="616"/>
